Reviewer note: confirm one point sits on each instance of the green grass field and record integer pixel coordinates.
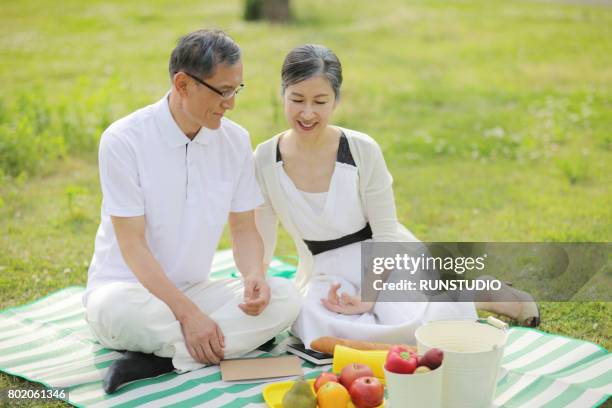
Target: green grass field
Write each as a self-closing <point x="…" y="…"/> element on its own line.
<point x="495" y="119"/>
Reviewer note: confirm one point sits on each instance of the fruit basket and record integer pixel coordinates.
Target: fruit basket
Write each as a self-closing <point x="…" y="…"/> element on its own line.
<point x="273" y="393"/>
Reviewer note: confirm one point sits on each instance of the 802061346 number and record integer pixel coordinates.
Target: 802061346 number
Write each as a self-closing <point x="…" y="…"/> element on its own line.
<point x="33" y="394"/>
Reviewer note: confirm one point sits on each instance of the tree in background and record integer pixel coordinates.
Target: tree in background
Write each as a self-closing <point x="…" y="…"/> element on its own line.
<point x="272" y="10"/>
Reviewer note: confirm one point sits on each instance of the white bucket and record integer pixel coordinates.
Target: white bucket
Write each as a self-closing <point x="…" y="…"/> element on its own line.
<point x="421" y="390"/>
<point x="472" y="357"/>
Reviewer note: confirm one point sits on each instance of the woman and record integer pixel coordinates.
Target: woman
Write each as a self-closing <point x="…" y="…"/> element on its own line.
<point x="331" y="189"/>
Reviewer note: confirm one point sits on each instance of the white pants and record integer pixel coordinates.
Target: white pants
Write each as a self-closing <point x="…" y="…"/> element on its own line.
<point x="126" y="316"/>
<point x="388" y="322"/>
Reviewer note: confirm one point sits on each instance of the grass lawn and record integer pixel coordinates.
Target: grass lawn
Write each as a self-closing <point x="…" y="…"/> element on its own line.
<point x="495" y="119"/>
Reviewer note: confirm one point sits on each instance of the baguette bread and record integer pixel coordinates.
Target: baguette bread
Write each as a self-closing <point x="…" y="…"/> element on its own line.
<point x="326" y="344"/>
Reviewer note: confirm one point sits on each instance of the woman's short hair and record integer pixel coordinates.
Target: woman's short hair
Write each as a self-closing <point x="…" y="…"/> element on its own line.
<point x="199" y="53"/>
<point x="307" y="61"/>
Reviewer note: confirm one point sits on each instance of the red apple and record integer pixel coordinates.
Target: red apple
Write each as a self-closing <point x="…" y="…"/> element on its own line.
<point x="352" y="372"/>
<point x="432" y="358"/>
<point x="367" y="392"/>
<point x="402" y="363"/>
<point x="324" y="378"/>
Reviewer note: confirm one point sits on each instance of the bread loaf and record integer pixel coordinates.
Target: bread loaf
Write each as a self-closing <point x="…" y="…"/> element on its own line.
<point x="326" y="344"/>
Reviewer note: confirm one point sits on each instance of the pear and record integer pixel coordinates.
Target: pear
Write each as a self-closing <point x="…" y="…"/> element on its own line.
<point x="300" y="395"/>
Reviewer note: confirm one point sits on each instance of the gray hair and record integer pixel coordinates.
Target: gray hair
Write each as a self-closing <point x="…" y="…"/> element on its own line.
<point x="309" y="60"/>
<point x="199" y="53"/>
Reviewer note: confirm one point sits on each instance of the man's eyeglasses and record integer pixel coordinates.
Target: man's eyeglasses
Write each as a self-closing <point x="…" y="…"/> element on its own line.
<point x="224" y="94"/>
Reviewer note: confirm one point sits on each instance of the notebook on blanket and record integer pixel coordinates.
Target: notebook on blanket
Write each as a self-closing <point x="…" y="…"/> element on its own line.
<point x="49" y="342"/>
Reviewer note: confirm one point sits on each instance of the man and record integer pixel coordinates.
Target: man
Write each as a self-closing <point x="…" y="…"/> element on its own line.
<point x="172" y="174"/>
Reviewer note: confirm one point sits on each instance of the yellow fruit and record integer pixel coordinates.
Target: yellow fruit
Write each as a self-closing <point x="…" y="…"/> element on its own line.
<point x="333" y="395"/>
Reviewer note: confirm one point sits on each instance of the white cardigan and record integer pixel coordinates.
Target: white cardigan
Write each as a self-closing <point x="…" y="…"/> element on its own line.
<point x="375" y="189"/>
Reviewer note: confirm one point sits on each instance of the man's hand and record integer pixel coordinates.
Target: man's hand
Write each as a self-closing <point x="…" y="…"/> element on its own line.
<point x="203" y="338"/>
<point x="256" y="295"/>
<point x="345" y="303"/>
<point x="248" y="254"/>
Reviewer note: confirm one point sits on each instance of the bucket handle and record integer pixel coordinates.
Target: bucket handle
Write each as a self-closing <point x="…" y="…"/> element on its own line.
<point x="495" y="322"/>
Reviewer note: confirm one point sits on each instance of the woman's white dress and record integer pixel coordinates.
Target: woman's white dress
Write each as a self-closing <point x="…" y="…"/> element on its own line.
<point x="331" y="215"/>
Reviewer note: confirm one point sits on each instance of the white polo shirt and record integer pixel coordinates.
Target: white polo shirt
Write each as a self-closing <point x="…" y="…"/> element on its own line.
<point x="184" y="188"/>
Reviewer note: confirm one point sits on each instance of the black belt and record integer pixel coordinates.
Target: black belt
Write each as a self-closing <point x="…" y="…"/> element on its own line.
<point x="316" y="247"/>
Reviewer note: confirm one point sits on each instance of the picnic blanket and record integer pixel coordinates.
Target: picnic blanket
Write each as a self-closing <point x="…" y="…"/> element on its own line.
<point x="49" y="342"/>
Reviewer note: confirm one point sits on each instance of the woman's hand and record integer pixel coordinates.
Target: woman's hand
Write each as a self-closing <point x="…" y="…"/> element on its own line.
<point x="345" y="303"/>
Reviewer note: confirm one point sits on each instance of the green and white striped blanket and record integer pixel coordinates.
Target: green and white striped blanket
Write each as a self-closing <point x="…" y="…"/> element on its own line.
<point x="49" y="342"/>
